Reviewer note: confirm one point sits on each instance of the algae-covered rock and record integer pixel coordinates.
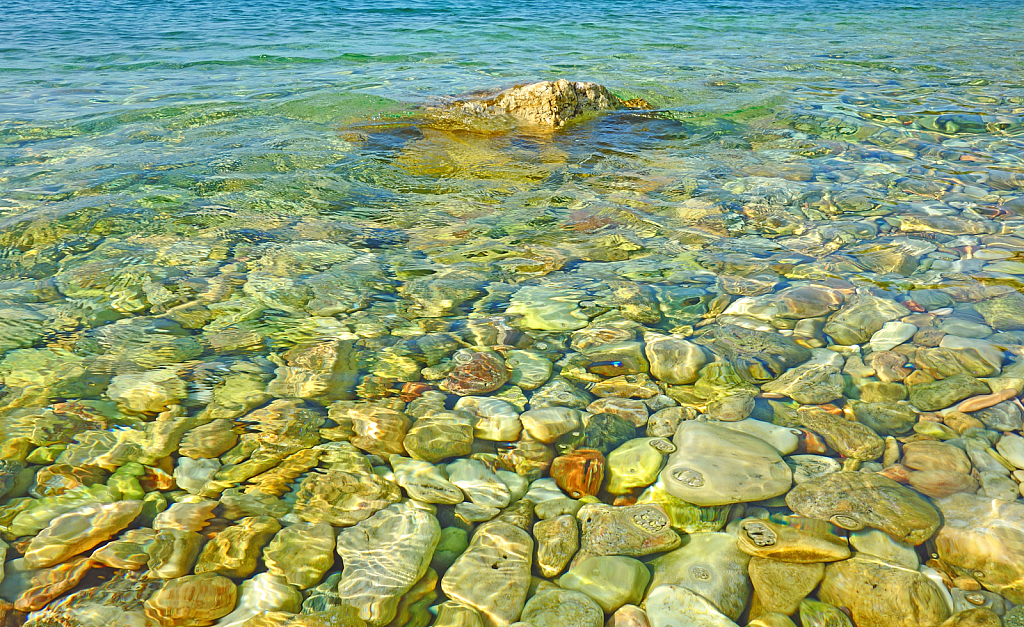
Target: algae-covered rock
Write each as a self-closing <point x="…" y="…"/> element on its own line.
<point x="854" y="500"/>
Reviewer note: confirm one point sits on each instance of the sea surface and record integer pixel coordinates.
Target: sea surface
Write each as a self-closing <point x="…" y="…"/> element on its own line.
<point x="210" y="209"/>
<point x="150" y="113"/>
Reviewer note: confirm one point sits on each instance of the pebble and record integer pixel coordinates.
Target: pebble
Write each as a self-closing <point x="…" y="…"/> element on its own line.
<point x="985" y="537"/>
<point x="611" y="580"/>
<point x="790" y="542"/>
<point x="492" y="576"/>
<point x="424" y="481"/>
<point x="562" y="608"/>
<point x="634" y="530"/>
<point x="675" y="606"/>
<point x="854" y="500"/>
<point x="479" y="483"/>
<point x="263" y="593"/>
<point x="628" y="616"/>
<point x="192" y="600"/>
<point x="715" y="426"/>
<point x="558" y="539"/>
<point x="987" y="400"/>
<point x="779" y="587"/>
<point x="301" y="553"/>
<point x="714" y="465"/>
<point x="78" y="531"/>
<point x="636" y="464"/>
<point x="881" y="594"/>
<point x="711" y="565"/>
<point x="235" y="551"/>
<point x="1011" y="447"/>
<point x="382" y="557"/>
<point x="548" y="423"/>
<point x="891" y="335"/>
<point x="785" y="440"/>
<point x="880" y="545"/>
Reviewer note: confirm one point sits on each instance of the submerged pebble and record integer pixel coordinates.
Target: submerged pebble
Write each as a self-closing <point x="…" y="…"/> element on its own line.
<point x="783" y="397"/>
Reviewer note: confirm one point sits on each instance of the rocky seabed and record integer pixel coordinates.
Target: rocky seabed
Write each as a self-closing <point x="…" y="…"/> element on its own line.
<point x="306" y="433"/>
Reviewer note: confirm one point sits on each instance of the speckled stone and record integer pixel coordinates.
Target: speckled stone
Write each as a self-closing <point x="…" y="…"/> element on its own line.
<point x="562" y="608"/>
<point x="558" y="539"/>
<point x="881" y="594"/>
<point x="854" y="500"/>
<point x="634" y="530"/>
<point x="711" y="565"/>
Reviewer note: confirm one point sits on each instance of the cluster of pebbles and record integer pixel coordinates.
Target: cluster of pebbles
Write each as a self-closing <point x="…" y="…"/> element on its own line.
<point x="646" y="432"/>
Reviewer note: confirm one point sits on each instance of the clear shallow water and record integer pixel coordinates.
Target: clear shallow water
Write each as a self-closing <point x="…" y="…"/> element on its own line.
<point x="116" y="95"/>
<point x="195" y="189"/>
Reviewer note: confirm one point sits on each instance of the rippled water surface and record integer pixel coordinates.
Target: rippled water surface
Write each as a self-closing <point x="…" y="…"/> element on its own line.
<point x="257" y="220"/>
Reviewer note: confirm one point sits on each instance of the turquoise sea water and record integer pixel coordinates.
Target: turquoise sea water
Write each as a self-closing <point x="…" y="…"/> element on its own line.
<point x="261" y="212"/>
<point x="143" y="109"/>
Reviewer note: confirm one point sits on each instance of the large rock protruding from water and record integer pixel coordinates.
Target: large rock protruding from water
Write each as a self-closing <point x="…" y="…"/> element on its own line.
<point x="547" y="103"/>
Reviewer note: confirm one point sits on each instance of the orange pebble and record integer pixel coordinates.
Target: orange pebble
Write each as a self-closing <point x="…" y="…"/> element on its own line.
<point x="988" y="400"/>
<point x="897" y="472"/>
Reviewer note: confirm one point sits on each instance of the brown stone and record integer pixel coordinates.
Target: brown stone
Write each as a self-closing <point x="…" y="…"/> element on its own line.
<point x="192" y="601"/>
<point x="235" y="551"/>
<point x="580" y="473"/>
<point x="933" y="455"/>
<point x="960" y="422"/>
<point x="780" y="586"/>
<point x="882" y="594"/>
<point x="986" y="400"/>
<point x="974" y="617"/>
<point x="941" y="483"/>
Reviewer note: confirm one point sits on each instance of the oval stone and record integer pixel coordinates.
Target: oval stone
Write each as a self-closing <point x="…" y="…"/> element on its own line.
<point x="713" y="465"/>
